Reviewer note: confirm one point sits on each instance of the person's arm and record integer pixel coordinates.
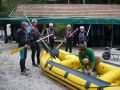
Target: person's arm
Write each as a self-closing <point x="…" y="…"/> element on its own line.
<point x="29" y="29"/>
<point x="30" y="35"/>
<point x="81" y="58"/>
<point x="38" y="32"/>
<point x="22" y="38"/>
<point x="93" y="59"/>
<point x="45" y="33"/>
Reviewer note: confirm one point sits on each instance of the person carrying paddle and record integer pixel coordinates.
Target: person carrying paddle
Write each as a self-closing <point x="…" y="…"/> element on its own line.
<point x="22" y="37"/>
<point x="88" y="60"/>
<point x="69" y="38"/>
<point x="34" y="34"/>
<point x="50" y="39"/>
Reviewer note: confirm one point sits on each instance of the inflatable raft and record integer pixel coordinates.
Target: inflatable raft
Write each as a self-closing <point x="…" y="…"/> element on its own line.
<point x="66" y="68"/>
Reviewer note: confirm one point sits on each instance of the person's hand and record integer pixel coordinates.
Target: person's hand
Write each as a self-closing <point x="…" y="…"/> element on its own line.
<point x="26" y="46"/>
<point x="76" y="29"/>
<point x="90" y="71"/>
<point x="54" y="37"/>
<point x="86" y="71"/>
<point x="33" y="28"/>
<point x="85" y="43"/>
<point x="65" y="39"/>
<point x="76" y="44"/>
<point x="69" y="36"/>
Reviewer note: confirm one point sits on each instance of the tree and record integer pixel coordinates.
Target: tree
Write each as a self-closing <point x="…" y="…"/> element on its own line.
<point x="0" y="3"/>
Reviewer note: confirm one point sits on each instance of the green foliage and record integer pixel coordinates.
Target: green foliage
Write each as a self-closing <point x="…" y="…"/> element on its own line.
<point x="60" y="30"/>
<point x="7" y="6"/>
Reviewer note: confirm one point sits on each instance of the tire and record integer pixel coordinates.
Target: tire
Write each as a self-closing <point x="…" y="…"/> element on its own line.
<point x="106" y="55"/>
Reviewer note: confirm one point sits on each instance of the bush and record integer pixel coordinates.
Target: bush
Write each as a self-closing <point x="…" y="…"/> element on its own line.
<point x="60" y="30"/>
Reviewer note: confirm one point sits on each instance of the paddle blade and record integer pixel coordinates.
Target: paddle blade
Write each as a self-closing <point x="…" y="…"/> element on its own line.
<point x="16" y="50"/>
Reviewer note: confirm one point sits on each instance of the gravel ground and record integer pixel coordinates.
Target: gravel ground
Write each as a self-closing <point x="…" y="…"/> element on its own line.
<point x="10" y="78"/>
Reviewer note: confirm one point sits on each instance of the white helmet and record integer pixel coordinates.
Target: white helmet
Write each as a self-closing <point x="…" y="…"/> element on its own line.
<point x="68" y="25"/>
<point x="50" y="24"/>
<point x="34" y="21"/>
<point x="82" y="27"/>
<point x="24" y="23"/>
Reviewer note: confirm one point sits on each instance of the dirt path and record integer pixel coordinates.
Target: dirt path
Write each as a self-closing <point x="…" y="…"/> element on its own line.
<point x="10" y="78"/>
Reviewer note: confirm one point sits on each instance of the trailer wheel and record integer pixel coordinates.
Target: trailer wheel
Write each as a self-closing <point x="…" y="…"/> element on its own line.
<point x="106" y="55"/>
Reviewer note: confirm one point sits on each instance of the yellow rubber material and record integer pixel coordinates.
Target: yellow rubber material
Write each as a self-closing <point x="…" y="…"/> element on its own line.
<point x="106" y="72"/>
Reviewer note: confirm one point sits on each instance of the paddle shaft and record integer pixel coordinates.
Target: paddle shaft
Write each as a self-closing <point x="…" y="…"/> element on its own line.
<point x="73" y="33"/>
<point x="27" y="18"/>
<point x="19" y="49"/>
<point x="88" y="30"/>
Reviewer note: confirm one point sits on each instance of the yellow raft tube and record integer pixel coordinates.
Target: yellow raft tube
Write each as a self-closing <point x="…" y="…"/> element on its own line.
<point x="66" y="69"/>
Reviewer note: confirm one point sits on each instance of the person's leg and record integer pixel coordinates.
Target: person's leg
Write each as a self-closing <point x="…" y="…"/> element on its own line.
<point x="38" y="53"/>
<point x="21" y="65"/>
<point x="70" y="47"/>
<point x="22" y="60"/>
<point x="66" y="46"/>
<point x="25" y="56"/>
<point x="98" y="60"/>
<point x="33" y="49"/>
<point x="52" y="43"/>
<point x="94" y="72"/>
<point x="86" y="63"/>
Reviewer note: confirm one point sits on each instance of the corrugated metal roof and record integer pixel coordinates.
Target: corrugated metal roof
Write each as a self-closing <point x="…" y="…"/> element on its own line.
<point x="69" y="10"/>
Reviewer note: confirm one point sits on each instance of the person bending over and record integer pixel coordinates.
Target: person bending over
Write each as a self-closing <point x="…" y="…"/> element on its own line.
<point x="88" y="60"/>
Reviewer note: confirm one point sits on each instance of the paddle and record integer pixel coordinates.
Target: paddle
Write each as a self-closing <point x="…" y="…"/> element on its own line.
<point x="19" y="49"/>
<point x="53" y="52"/>
<point x="46" y="47"/>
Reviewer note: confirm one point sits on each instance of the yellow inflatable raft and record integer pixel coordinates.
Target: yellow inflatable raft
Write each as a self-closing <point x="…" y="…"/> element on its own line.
<point x="66" y="69"/>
